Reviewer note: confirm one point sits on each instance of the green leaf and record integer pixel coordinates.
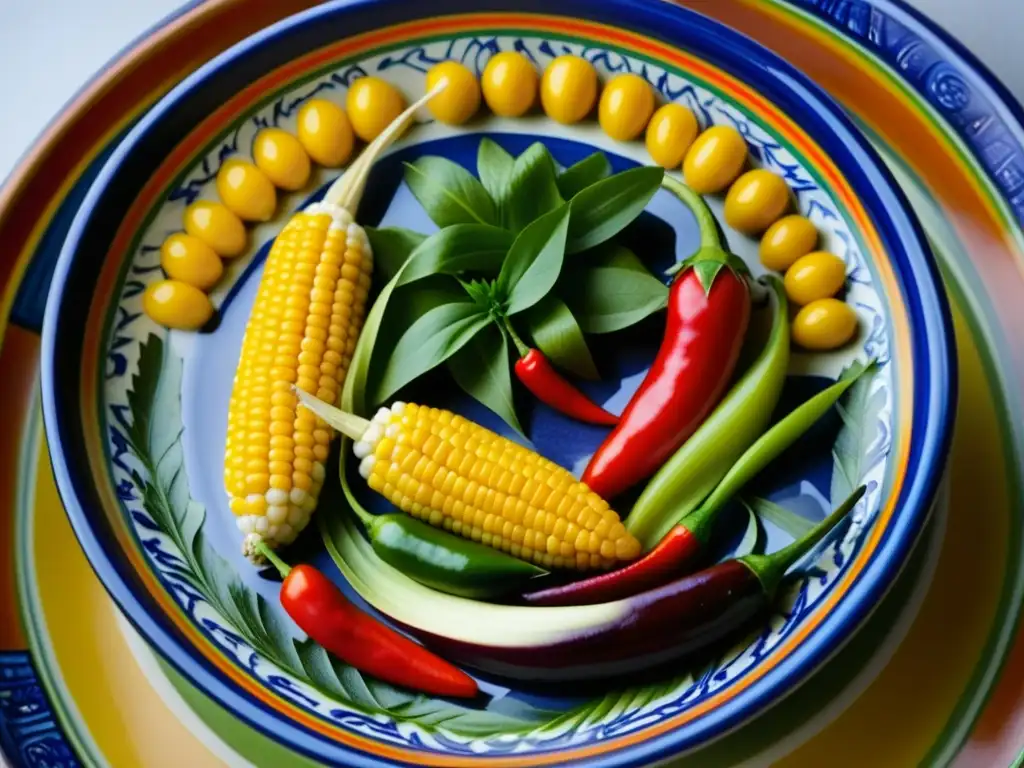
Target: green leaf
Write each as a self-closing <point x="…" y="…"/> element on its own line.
<point x="156" y="402"/>
<point x="859" y="410"/>
<point x="603" y="209"/>
<point x="587" y="171"/>
<point x="435" y="713"/>
<point x="784" y="519"/>
<point x="409" y="303"/>
<point x="752" y="539"/>
<point x="610" y="290"/>
<point x="392" y="246"/>
<point x="532" y="189"/>
<point x="558" y="336"/>
<point x="534" y="261"/>
<point x="143" y="391"/>
<point x="317" y="666"/>
<point x="481" y="368"/>
<point x="458" y="248"/>
<point x="433" y="338"/>
<point x="449" y="193"/>
<point x="494" y="167"/>
<point x="354" y="391"/>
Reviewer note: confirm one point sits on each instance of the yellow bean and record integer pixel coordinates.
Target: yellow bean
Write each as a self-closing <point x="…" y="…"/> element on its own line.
<point x="626" y="105"/>
<point x="787" y="240"/>
<point x="460" y="100"/>
<point x="670" y="133"/>
<point x="824" y="324"/>
<point x="568" y="89"/>
<point x="755" y="201"/>
<point x="175" y="304"/>
<point x="818" y="275"/>
<point x="509" y="84"/>
<point x="714" y="160"/>
<point x="190" y="260"/>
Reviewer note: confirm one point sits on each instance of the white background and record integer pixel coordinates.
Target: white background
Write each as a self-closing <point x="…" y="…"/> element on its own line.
<point x="49" y="48"/>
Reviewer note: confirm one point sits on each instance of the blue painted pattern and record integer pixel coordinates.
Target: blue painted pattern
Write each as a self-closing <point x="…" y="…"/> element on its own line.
<point x="945" y="80"/>
<point x="406" y="66"/>
<point x="29" y="734"/>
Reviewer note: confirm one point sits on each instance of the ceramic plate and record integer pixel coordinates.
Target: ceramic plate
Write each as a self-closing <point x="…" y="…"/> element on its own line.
<point x="85" y="696"/>
<point x="214" y="619"/>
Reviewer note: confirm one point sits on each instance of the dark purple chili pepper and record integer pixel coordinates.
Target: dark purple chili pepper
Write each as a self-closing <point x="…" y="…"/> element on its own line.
<point x="688" y="615"/>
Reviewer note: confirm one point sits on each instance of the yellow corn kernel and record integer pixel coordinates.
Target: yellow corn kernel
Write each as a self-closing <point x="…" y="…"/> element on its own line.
<point x="276" y="450"/>
<point x="482" y="486"/>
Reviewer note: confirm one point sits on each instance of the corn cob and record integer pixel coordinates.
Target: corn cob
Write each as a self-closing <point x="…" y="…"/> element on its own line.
<point x="300" y="337"/>
<point x="457" y="475"/>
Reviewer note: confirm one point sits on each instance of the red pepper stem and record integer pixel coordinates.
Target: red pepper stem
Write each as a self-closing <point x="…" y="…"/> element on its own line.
<point x="282" y="567"/>
<point x="770" y="569"/>
<point x="521" y="347"/>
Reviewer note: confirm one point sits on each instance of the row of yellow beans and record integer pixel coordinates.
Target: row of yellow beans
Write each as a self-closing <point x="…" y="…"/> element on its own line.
<point x="812" y="279"/>
<point x="192" y="260"/>
<point x="754" y="203"/>
<point x="711" y="162"/>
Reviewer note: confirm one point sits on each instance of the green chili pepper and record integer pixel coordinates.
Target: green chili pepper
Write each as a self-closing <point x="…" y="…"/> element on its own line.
<point x="426" y="554"/>
<point x="442" y="561"/>
<point x="771" y="445"/>
<point x="694" y="471"/>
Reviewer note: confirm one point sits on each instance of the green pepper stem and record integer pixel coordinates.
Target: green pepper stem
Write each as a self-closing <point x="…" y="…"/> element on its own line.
<point x="521" y="347"/>
<point x="282" y="567"/>
<point x="766" y="449"/>
<point x="709" y="237"/>
<point x="770" y="569"/>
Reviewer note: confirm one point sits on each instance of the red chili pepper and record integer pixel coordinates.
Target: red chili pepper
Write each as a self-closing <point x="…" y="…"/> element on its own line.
<point x="687" y="615"/>
<point x="708" y="313"/>
<point x="674" y="556"/>
<point x="537" y="374"/>
<point x="355" y="637"/>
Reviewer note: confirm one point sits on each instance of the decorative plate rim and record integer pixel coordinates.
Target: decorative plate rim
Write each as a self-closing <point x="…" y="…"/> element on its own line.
<point x="901" y="229"/>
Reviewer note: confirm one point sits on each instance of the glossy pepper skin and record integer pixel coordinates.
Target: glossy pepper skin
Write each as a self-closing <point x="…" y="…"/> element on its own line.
<point x="708" y="314"/>
<point x="685" y="616"/>
<point x="539" y="376"/>
<point x="682" y="548"/>
<point x="355" y="637"/>
<point x="446" y="562"/>
<point x="675" y="555"/>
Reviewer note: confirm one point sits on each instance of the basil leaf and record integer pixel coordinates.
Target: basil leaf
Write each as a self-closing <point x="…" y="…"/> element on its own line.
<point x="611" y="290"/>
<point x="412" y="302"/>
<point x="494" y="167"/>
<point x="481" y="369"/>
<point x="557" y="335"/>
<point x="603" y="209"/>
<point x="533" y="190"/>
<point x="587" y="171"/>
<point x="433" y="338"/>
<point x="534" y="261"/>
<point x="459" y="248"/>
<point x="449" y="193"/>
<point x="392" y="246"/>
